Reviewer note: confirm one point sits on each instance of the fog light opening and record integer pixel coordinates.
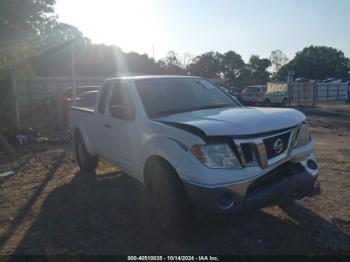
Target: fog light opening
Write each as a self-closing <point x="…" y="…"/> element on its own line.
<point x="226" y="200"/>
<point x="312" y="164"/>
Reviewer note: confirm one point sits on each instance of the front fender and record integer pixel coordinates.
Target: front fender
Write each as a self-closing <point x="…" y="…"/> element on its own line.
<point x="168" y="148"/>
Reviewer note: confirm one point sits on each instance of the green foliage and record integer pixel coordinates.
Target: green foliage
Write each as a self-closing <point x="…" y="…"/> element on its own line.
<point x="171" y="64"/>
<point x="318" y="62"/>
<point x="257" y="68"/>
<point x="141" y="64"/>
<point x="232" y="66"/>
<point x="34" y="42"/>
<point x="6" y="102"/>
<point x="52" y="55"/>
<point x="21" y="24"/>
<point x="207" y="65"/>
<point x="26" y="15"/>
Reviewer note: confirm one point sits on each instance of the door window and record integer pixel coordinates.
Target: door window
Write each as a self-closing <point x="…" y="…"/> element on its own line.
<point x="121" y="103"/>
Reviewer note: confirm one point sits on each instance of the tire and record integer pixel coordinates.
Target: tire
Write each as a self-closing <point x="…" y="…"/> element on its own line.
<point x="174" y="209"/>
<point x="284" y="102"/>
<point x="87" y="162"/>
<point x="267" y="102"/>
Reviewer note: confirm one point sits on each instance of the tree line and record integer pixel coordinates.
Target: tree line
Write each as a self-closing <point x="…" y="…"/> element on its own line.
<point x="36" y="43"/>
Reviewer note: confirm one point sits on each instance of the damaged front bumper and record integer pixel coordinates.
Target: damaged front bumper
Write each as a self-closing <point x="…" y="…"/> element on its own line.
<point x="290" y="180"/>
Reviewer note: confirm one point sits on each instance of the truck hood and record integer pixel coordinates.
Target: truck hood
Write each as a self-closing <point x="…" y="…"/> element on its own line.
<point x="236" y="121"/>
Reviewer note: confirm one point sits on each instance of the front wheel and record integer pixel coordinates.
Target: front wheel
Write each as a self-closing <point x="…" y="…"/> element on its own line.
<point x="174" y="209"/>
<point x="87" y="162"/>
<point x="285" y="102"/>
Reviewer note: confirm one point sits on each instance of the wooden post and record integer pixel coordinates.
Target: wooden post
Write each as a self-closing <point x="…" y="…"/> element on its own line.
<point x="31" y="104"/>
<point x="49" y="107"/>
<point x="337" y="93"/>
<point x="5" y="145"/>
<point x="59" y="93"/>
<point x="15" y="98"/>
<point x="314" y="87"/>
<point x="290" y="88"/>
<point x="290" y="93"/>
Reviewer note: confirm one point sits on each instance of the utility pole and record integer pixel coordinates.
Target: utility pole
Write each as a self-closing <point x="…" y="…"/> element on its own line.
<point x="290" y="87"/>
<point x="153" y="52"/>
<point x="73" y="67"/>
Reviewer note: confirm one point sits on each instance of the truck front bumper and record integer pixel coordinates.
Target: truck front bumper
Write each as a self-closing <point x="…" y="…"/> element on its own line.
<point x="288" y="181"/>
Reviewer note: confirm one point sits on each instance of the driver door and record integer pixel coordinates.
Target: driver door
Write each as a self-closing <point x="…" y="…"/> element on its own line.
<point x="123" y="134"/>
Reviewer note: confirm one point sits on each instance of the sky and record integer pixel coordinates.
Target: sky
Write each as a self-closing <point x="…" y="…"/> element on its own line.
<point x="197" y="26"/>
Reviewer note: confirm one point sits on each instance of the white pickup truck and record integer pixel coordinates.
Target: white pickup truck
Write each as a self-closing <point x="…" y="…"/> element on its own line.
<point x="195" y="147"/>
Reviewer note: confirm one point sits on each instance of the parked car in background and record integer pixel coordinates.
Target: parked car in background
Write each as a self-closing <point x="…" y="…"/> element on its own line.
<point x="235" y="91"/>
<point x="68" y="95"/>
<point x="253" y="95"/>
<point x="345" y="79"/>
<point x="87" y="99"/>
<point x="301" y="80"/>
<point x="332" y="80"/>
<point x="336" y="80"/>
<point x="68" y="92"/>
<point x="276" y="94"/>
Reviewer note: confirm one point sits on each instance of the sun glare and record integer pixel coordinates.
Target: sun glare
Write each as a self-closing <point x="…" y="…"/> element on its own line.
<point x="129" y="24"/>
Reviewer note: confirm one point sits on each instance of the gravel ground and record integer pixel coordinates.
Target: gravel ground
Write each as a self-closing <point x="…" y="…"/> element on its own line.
<point x="49" y="207"/>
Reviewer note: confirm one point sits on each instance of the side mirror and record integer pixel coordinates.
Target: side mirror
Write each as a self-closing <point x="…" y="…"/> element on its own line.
<point x="122" y="112"/>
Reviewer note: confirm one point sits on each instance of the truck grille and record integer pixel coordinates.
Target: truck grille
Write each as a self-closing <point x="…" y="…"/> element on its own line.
<point x="270" y="142"/>
<point x="266" y="150"/>
<point x="247" y="152"/>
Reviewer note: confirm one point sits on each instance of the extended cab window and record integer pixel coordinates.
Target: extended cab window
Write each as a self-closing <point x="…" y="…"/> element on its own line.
<point x="103" y="98"/>
<point x="121" y="103"/>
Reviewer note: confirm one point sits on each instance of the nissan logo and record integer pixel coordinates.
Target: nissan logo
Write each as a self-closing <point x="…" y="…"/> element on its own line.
<point x="278" y="146"/>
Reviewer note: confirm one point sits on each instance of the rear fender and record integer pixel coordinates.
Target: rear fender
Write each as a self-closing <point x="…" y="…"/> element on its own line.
<point x="82" y="129"/>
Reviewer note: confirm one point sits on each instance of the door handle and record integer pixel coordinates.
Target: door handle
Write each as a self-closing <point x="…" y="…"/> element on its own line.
<point x="107" y="125"/>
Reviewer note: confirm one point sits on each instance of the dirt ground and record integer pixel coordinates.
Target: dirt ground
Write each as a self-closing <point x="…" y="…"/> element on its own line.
<point x="49" y="207"/>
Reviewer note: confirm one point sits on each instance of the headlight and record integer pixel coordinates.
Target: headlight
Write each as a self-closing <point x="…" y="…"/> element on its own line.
<point x="304" y="136"/>
<point x="216" y="156"/>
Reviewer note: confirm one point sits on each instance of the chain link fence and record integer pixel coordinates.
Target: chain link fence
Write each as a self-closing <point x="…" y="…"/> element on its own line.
<point x="41" y="101"/>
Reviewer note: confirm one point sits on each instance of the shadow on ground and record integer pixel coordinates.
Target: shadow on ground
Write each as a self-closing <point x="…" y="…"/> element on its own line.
<point x="112" y="214"/>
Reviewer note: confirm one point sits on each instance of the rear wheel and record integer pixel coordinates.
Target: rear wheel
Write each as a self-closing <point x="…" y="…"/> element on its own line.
<point x="174" y="209"/>
<point x="285" y="102"/>
<point x="267" y="102"/>
<point x="87" y="162"/>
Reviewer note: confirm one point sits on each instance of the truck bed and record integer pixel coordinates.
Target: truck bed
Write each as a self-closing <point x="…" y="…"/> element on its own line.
<point x="90" y="110"/>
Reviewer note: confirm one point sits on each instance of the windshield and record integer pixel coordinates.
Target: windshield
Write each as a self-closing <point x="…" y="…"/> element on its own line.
<point x="170" y="96"/>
